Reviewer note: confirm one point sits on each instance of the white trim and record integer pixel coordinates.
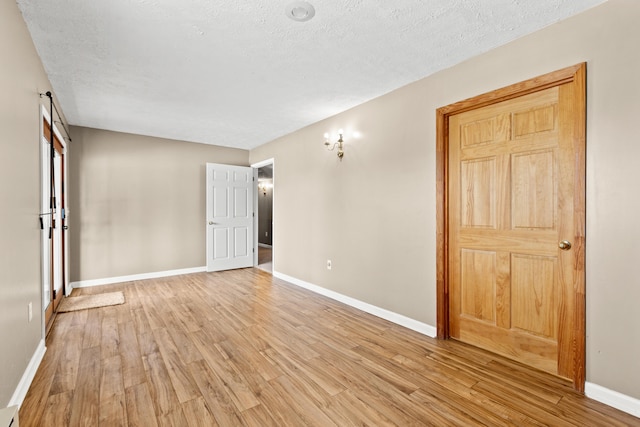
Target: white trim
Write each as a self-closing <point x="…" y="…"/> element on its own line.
<point x="44" y="265"/>
<point x="264" y="245"/>
<point x="28" y="375"/>
<point x="256" y="212"/>
<point x="396" y="318"/>
<point x="262" y="163"/>
<point x="132" y="277"/>
<point x="612" y="398"/>
<point x="256" y="243"/>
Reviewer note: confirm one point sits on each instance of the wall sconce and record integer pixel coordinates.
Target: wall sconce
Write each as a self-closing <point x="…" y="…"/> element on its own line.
<point x="264" y="186"/>
<point x="338" y="144"/>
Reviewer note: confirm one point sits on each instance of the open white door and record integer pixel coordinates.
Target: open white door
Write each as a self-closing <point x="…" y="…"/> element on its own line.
<point x="230" y="224"/>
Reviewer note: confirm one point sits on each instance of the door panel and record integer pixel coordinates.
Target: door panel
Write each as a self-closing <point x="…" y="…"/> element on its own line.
<point x="221" y="243"/>
<point x="478" y="190"/>
<point x="478" y="284"/>
<point x="230" y="198"/>
<point x="533" y="297"/>
<point x="510" y="193"/>
<point x="533" y="190"/>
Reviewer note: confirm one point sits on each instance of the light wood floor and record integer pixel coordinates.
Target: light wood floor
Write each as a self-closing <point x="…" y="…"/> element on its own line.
<point x="265" y="259"/>
<point x="241" y="348"/>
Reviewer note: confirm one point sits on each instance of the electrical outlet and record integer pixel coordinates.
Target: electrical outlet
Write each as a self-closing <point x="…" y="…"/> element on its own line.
<point x="328" y="264"/>
<point x="30" y="311"/>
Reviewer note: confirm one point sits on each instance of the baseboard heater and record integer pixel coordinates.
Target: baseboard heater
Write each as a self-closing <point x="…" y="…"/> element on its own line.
<point x="9" y="417"/>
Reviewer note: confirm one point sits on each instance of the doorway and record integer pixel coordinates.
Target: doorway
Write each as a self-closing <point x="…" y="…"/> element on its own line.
<point x="265" y="215"/>
<point x="53" y="219"/>
<point x="510" y="222"/>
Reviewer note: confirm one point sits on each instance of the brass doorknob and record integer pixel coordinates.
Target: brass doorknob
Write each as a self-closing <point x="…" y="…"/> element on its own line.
<point x="565" y="245"/>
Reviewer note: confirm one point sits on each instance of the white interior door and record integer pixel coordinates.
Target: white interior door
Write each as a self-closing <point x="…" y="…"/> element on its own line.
<point x="230" y="216"/>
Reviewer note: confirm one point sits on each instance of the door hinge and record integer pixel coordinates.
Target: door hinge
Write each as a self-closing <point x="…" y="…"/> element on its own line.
<point x="254" y="214"/>
<point x="54" y="294"/>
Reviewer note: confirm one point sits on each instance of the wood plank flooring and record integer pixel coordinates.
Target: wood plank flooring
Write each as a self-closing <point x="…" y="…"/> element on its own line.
<point x="241" y="348"/>
<point x="265" y="259"/>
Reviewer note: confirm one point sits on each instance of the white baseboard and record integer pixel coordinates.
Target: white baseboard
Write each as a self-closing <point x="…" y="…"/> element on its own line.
<point x="29" y="373"/>
<point x="264" y="245"/>
<point x="396" y="318"/>
<point x="143" y="276"/>
<point x="612" y="398"/>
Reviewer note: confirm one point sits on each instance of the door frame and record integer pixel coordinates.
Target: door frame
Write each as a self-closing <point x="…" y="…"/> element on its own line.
<point x="257" y="166"/>
<point x="575" y="74"/>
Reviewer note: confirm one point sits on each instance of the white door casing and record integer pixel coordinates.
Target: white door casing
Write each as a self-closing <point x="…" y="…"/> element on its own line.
<point x="57" y="230"/>
<point x="229" y="216"/>
<point x="256" y="167"/>
<point x="45" y="166"/>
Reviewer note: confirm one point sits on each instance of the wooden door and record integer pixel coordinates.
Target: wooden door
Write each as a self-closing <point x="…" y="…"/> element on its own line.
<point x="230" y="216"/>
<point x="515" y="235"/>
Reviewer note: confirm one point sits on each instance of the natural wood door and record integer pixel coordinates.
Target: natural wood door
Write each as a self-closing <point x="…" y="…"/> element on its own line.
<point x="512" y="179"/>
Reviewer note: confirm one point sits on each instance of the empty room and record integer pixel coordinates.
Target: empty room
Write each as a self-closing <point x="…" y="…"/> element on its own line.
<point x="277" y="213"/>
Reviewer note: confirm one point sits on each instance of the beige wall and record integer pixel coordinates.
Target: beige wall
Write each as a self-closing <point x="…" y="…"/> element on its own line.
<point x="22" y="78"/>
<point x="137" y="203"/>
<point x="373" y="213"/>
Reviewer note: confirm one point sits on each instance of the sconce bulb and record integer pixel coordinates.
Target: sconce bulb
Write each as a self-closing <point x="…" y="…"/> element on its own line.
<point x="340" y="131"/>
<point x="326" y="136"/>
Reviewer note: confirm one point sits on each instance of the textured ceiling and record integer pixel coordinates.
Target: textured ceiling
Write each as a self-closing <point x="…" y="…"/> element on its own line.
<point x="240" y="73"/>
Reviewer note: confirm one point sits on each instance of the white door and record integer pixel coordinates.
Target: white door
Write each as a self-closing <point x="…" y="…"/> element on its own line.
<point x="230" y="224"/>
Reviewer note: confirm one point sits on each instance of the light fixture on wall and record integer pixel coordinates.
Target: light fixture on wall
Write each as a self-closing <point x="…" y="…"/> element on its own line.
<point x="264" y="185"/>
<point x="339" y="144"/>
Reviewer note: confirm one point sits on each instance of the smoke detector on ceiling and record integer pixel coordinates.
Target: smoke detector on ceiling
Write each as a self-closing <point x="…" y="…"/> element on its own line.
<point x="300" y="11"/>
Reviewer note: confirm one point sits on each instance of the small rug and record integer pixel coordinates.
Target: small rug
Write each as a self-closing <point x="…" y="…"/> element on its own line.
<point x="85" y="302"/>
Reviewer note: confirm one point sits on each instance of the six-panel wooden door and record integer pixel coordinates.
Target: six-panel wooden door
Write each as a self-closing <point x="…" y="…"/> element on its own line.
<point x="511" y="185"/>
